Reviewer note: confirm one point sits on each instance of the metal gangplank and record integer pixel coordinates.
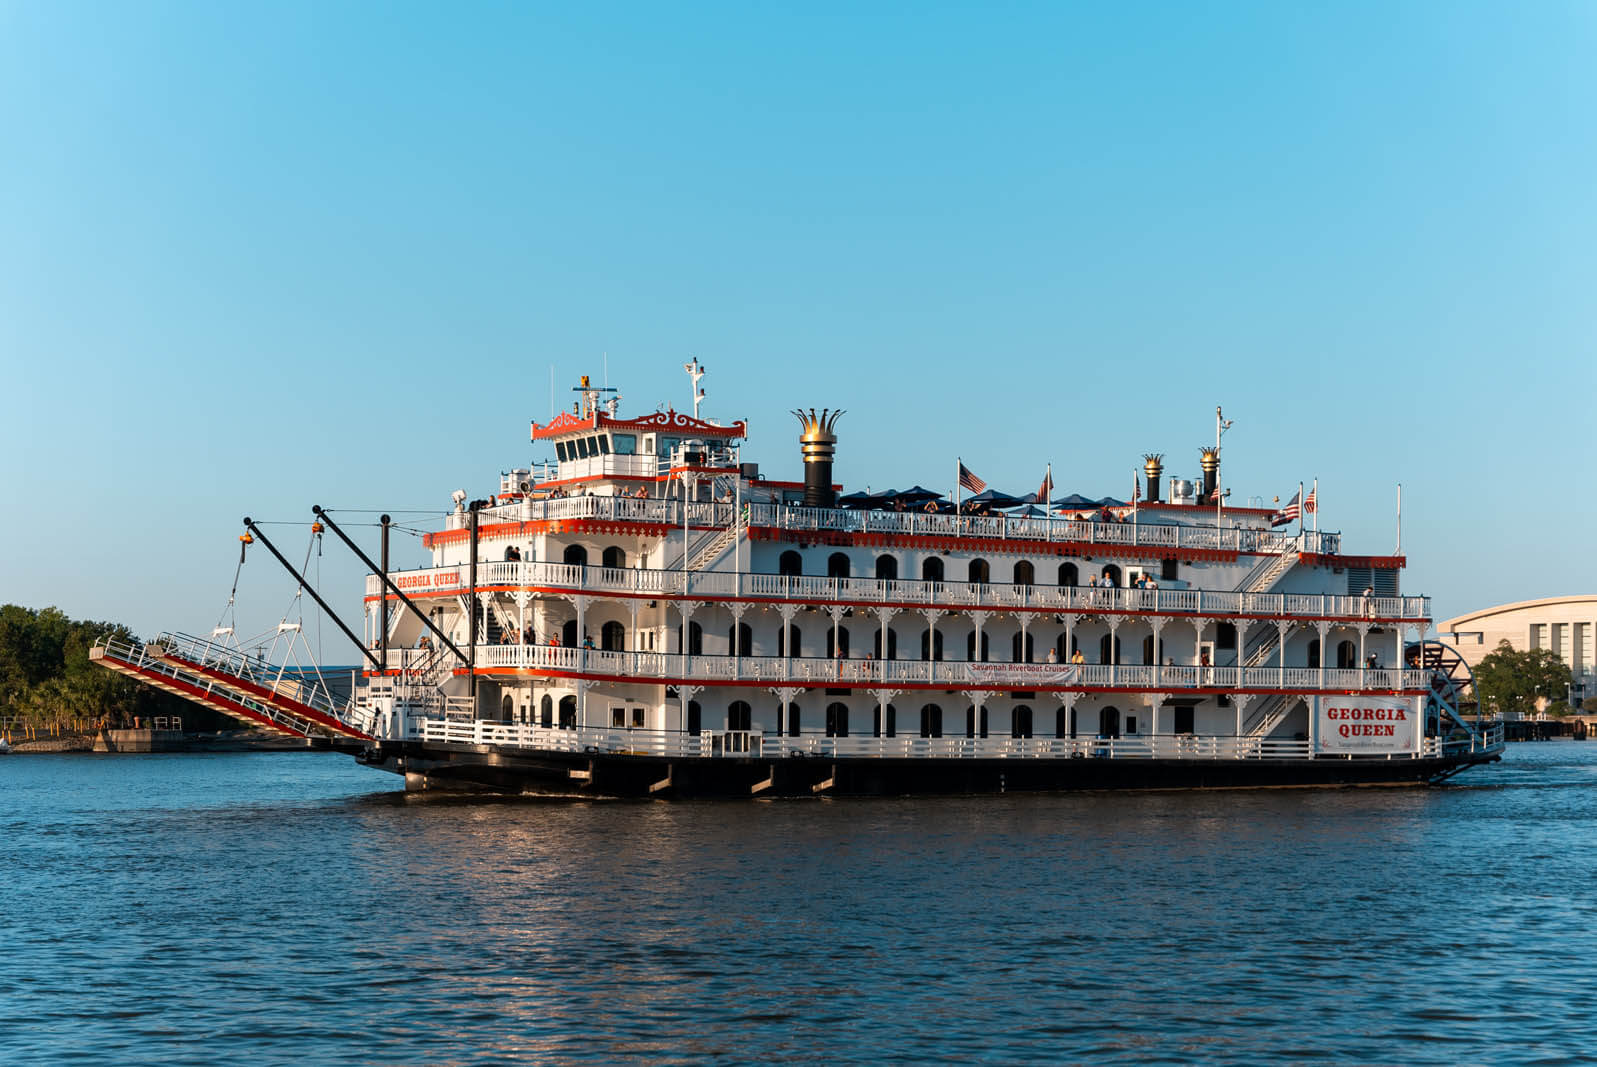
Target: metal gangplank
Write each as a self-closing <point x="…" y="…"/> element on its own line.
<point x="228" y="681"/>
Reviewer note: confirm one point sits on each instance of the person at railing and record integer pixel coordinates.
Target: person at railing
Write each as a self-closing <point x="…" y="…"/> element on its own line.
<point x="1077" y="657"/>
<point x="1368" y="598"/>
<point x="528" y="637"/>
<point x="642" y="493"/>
<point x="512" y="554"/>
<point x="425" y="643"/>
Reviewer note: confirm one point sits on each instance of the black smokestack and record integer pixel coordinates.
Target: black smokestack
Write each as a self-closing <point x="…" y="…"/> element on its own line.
<point x="1153" y="467"/>
<point x="819" y="444"/>
<point x="1209" y="460"/>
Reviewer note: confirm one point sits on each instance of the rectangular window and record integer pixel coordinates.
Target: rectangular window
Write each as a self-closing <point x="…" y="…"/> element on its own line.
<point x="560" y="451"/>
<point x="618" y="717"/>
<point x="1560" y="649"/>
<point x="668" y="445"/>
<point x="626" y="443"/>
<point x="1131" y="724"/>
<point x="603" y="444"/>
<point x="1184" y="720"/>
<point x="637" y="718"/>
<point x="1167" y="570"/>
<point x="1358" y="580"/>
<point x="1538" y="635"/>
<point x="1582" y="661"/>
<point x="582" y="447"/>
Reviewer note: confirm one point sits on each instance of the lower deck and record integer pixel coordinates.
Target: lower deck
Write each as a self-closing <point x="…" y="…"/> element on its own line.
<point x="964" y="767"/>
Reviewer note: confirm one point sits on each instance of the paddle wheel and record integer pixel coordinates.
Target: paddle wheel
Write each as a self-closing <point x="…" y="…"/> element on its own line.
<point x="1452" y="694"/>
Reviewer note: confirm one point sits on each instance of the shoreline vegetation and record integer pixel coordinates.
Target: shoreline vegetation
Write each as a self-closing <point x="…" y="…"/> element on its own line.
<point x="51" y="695"/>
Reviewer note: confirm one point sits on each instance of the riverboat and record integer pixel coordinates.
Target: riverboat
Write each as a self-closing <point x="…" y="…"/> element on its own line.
<point x="649" y="615"/>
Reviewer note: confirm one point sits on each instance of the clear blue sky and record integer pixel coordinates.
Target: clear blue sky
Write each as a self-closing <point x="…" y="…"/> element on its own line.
<point x="255" y="257"/>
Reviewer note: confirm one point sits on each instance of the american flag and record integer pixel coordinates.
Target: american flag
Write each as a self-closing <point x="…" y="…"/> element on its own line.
<point x="1046" y="490"/>
<point x="968" y="480"/>
<point x="1288" y="513"/>
<point x="1310" y="503"/>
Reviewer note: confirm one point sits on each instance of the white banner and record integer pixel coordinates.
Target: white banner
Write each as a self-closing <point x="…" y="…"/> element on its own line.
<point x="1038" y="674"/>
<point x="1366" y="724"/>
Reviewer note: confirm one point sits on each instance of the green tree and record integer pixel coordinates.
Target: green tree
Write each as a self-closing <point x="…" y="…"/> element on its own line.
<point x="1511" y="681"/>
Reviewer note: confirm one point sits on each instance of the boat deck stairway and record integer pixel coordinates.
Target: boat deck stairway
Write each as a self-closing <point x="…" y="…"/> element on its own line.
<point x="1270" y="570"/>
<point x="228" y="681"/>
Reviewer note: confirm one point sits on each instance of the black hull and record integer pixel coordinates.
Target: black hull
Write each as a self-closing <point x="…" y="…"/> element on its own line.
<point x="443" y="766"/>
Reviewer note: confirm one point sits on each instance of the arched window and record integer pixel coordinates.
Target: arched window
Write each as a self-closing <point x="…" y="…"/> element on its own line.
<point x="1063" y="654"/>
<point x="793" y="720"/>
<point x="788" y="641"/>
<point x="507" y="709"/>
<point x="739" y="716"/>
<point x="1109" y="722"/>
<point x="568" y="634"/>
<point x="892" y="644"/>
<point x="931" y="721"/>
<point x="615" y="556"/>
<point x="837" y="720"/>
<point x="892" y="721"/>
<point x="970" y="721"/>
<point x="568" y="713"/>
<point x="1107" y="654"/>
<point x="840" y="650"/>
<point x="1062" y="723"/>
<point x="1067" y="574"/>
<point x="970" y="647"/>
<point x="931" y="649"/>
<point x="1024" y="574"/>
<point x="695" y="639"/>
<point x="1150" y="655"/>
<point x="887" y="568"/>
<point x="576" y="555"/>
<point x="837" y="565"/>
<point x="1016" y="653"/>
<point x="695" y="718"/>
<point x="1020" y="721"/>
<point x="1314" y="653"/>
<point x="978" y="571"/>
<point x="613" y="637"/>
<point x="791" y="564"/>
<point x="1225" y="635"/>
<point x="1112" y="572"/>
<point x="1347" y="655"/>
<point x="740" y="640"/>
<point x="931" y="569"/>
<point x="546" y="711"/>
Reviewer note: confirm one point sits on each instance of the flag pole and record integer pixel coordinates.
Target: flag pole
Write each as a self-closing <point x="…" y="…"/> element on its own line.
<point x="1136" y="491"/>
<point x="1316" y="505"/>
<point x="1300" y="511"/>
<point x="959" y="510"/>
<point x="1399" y="518"/>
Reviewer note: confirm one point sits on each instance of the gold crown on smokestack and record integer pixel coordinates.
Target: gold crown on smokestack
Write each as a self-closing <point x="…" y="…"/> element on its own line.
<point x="1153" y="463"/>
<point x="818" y="437"/>
<point x="1209" y="458"/>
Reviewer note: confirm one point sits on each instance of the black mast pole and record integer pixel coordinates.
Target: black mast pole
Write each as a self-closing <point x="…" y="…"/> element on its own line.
<point x="255" y="532"/>
<point x="389" y="582"/>
<point x="383" y="613"/>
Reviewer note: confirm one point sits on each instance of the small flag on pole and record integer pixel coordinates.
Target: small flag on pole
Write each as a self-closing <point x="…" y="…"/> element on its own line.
<point x="968" y="480"/>
<point x="1288" y="513"/>
<point x="1311" y="502"/>
<point x="1046" y="490"/>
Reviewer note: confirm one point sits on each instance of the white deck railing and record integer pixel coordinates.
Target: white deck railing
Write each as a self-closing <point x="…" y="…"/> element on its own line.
<point x="966" y="596"/>
<point x="955" y="674"/>
<point x="770" y="745"/>
<point x="911" y="523"/>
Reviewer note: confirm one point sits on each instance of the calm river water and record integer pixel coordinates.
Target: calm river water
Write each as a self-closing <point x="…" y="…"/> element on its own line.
<point x="295" y="908"/>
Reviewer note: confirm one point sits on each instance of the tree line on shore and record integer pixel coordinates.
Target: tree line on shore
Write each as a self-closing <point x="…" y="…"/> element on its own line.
<point x="47" y="681"/>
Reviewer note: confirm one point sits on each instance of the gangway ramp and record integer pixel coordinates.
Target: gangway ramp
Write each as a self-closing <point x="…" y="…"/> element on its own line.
<point x="222" y="683"/>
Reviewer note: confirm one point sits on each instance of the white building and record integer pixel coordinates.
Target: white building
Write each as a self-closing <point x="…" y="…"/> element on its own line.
<point x="1565" y="625"/>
